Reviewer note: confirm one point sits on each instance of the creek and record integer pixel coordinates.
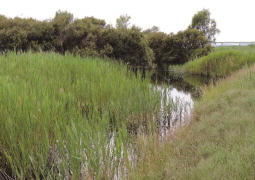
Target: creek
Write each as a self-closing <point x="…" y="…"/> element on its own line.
<point x="179" y="92"/>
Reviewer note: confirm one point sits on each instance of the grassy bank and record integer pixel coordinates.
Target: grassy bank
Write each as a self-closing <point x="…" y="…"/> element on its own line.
<point x="221" y="62"/>
<point x="217" y="144"/>
<point x="65" y="117"/>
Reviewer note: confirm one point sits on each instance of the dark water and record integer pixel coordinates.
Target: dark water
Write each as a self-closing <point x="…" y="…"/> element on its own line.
<point x="178" y="92"/>
<point x="183" y="83"/>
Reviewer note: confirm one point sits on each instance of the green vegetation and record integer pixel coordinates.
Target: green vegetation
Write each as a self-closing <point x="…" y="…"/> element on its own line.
<point x="92" y="37"/>
<point x="217" y="144"/>
<point x="65" y="116"/>
<point x="179" y="48"/>
<point x="203" y="22"/>
<point x="221" y="62"/>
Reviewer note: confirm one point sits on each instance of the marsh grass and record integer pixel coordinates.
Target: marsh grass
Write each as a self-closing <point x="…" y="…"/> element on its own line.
<point x="221" y="62"/>
<point x="66" y="117"/>
<point x="219" y="141"/>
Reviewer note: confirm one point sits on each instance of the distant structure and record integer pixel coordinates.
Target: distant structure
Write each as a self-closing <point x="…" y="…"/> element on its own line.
<point x="216" y="44"/>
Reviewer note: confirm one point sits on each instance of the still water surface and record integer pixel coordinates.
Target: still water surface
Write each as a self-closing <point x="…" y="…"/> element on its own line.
<point x="178" y="92"/>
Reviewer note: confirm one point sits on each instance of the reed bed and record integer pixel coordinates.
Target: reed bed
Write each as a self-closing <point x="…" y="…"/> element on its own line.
<point x="65" y="117"/>
<point x="222" y="62"/>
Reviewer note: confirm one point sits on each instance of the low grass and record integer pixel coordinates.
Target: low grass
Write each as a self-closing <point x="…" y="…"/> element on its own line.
<point x="66" y="117"/>
<point x="219" y="141"/>
<point x="221" y="62"/>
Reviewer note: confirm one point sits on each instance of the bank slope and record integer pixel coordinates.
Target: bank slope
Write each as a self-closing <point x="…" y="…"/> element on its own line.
<point x="217" y="144"/>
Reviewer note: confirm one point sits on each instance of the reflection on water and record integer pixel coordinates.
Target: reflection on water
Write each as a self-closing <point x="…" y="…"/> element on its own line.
<point x="175" y="109"/>
<point x="178" y="92"/>
<point x="189" y="84"/>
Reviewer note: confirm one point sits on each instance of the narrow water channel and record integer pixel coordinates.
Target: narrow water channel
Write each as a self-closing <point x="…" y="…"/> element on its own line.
<point x="178" y="92"/>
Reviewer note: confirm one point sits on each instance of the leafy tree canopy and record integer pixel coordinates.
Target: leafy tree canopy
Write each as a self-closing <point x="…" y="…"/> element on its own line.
<point x="90" y="36"/>
<point x="62" y="19"/>
<point x="152" y="29"/>
<point x="187" y="42"/>
<point x="122" y="22"/>
<point x="203" y="22"/>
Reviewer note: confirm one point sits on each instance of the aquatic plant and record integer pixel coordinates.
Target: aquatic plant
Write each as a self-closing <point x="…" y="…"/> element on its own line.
<point x="222" y="62"/>
<point x="217" y="144"/>
<point x="70" y="117"/>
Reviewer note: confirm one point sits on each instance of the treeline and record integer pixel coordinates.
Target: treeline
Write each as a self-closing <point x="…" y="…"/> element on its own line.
<point x="93" y="37"/>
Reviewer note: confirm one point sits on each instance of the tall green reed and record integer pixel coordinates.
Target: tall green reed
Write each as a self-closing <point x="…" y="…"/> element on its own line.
<point x="65" y="116"/>
<point x="222" y="62"/>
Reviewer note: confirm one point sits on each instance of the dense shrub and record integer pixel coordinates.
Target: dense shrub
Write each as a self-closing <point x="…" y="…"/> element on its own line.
<point x="90" y="36"/>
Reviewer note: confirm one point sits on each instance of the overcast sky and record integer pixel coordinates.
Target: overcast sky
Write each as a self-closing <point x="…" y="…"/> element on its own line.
<point x="235" y="18"/>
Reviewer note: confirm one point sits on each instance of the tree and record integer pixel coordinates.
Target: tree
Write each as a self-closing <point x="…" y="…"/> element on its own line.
<point x="129" y="45"/>
<point x="203" y="22"/>
<point x="40" y="35"/>
<point x="83" y="37"/>
<point x="60" y="23"/>
<point x="152" y="29"/>
<point x="122" y="22"/>
<point x="169" y="50"/>
<point x="190" y="43"/>
<point x="156" y="40"/>
<point x="13" y="34"/>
